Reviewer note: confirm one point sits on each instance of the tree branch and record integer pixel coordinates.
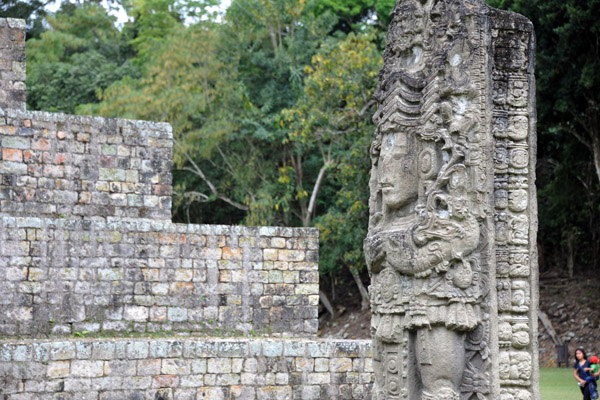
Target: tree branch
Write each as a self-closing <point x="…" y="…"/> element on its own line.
<point x="364" y="293"/>
<point x="273" y="39"/>
<point x="195" y="194"/>
<point x="198" y="171"/>
<point x="596" y="154"/>
<point x="313" y="195"/>
<point x="231" y="169"/>
<point x="326" y="303"/>
<point x="579" y="137"/>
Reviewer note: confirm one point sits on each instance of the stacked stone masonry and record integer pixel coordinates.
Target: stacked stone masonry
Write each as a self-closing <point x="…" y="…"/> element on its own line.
<point x="60" y="276"/>
<point x="60" y="165"/>
<point x="12" y="64"/>
<point x="87" y="247"/>
<point x="86" y="241"/>
<point x="187" y="369"/>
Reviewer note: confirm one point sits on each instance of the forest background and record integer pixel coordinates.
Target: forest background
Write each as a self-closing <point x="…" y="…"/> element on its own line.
<point x="271" y="105"/>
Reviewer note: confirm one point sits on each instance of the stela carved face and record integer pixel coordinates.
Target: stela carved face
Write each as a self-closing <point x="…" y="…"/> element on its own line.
<point x="397" y="166"/>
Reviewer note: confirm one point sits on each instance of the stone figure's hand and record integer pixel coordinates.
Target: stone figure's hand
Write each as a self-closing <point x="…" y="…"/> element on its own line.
<point x="374" y="253"/>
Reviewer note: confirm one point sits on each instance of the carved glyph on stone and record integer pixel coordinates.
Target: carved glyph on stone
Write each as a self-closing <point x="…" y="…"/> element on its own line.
<point x="450" y="197"/>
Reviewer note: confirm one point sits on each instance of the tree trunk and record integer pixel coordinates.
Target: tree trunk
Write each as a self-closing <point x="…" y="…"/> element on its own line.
<point x="325" y="301"/>
<point x="571" y="254"/>
<point x="549" y="328"/>
<point x="364" y="293"/>
<point x="308" y="214"/>
<point x="541" y="260"/>
<point x="596" y="153"/>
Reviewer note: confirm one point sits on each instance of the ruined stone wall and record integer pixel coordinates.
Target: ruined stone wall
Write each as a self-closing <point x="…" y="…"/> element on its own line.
<point x="87" y="242"/>
<point x="87" y="247"/>
<point x="61" y="276"/>
<point x="59" y="165"/>
<point x="186" y="369"/>
<point x="12" y="64"/>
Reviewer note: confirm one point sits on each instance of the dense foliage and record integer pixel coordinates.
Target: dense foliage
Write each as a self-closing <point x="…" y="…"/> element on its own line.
<point x="271" y="102"/>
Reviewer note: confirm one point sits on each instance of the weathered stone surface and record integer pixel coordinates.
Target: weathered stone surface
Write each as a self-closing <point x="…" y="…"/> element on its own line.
<point x="12" y="64"/>
<point x="87" y="244"/>
<point x="94" y="275"/>
<point x="451" y="241"/>
<point x="47" y="163"/>
<point x="266" y="375"/>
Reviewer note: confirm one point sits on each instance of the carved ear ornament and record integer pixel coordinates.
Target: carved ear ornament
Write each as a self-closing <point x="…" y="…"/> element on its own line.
<point x="427" y="164"/>
<point x="376" y="148"/>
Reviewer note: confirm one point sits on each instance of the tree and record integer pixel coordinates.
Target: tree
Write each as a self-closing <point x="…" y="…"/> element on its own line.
<point x="351" y="13"/>
<point x="185" y="84"/>
<point x="330" y="127"/>
<point x="267" y="44"/>
<point x="569" y="62"/>
<point x="78" y="55"/>
<point x="154" y="20"/>
<point x="32" y="11"/>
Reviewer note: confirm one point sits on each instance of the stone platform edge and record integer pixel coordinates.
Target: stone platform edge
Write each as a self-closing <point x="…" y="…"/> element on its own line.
<point x="62" y="276"/>
<point x="185" y="368"/>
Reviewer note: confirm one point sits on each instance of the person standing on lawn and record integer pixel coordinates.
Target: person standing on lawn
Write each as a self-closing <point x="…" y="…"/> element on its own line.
<point x="580" y="374"/>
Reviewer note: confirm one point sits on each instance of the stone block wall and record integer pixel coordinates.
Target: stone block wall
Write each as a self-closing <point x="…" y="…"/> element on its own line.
<point x="12" y="64"/>
<point x="87" y="242"/>
<point x="61" y="276"/>
<point x="186" y="369"/>
<point x="60" y="165"/>
<point x="87" y="245"/>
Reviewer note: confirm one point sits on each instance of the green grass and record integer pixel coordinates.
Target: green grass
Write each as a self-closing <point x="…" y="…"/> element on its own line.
<point x="558" y="384"/>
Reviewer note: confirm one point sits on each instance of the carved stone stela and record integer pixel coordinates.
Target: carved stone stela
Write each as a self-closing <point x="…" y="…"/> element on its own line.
<point x="453" y="218"/>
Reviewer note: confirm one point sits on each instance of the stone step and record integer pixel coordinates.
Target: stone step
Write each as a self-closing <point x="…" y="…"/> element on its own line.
<point x="185" y="368"/>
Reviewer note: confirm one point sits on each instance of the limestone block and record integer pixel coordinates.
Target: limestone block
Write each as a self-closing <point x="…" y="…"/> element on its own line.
<point x="175" y="367"/>
<point x="58" y="369"/>
<point x="149" y="367"/>
<point x="137" y="350"/>
<point x="272" y="349"/>
<point x="211" y="393"/>
<point x="87" y="368"/>
<point x="219" y="365"/>
<point x="62" y="351"/>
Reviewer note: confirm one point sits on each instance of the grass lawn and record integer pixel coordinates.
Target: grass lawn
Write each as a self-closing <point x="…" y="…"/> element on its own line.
<point x="558" y="384"/>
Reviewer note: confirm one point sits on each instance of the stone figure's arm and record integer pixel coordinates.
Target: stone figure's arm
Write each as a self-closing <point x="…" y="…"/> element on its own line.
<point x="439" y="254"/>
<point x="374" y="254"/>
